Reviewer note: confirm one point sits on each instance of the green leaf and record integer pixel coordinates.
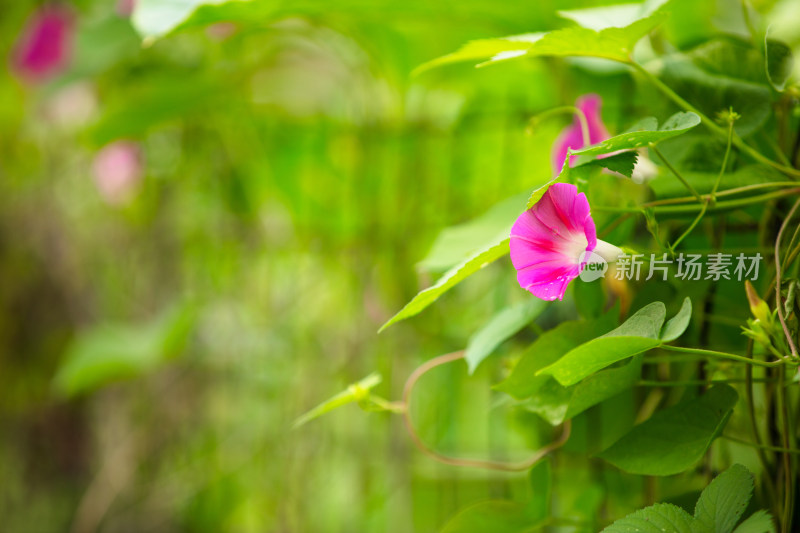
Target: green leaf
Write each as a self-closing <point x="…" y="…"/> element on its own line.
<point x="548" y="348"/>
<point x="485" y="48"/>
<point x="154" y="18"/>
<point x="113" y="352"/>
<point x="675" y="438"/>
<point x="610" y="43"/>
<point x="638" y="334"/>
<point x="779" y="62"/>
<point x="354" y="393"/>
<point x="501" y="327"/>
<point x="556" y="403"/>
<point x="450" y="279"/>
<point x="496" y="516"/>
<point x="657" y="518"/>
<point x="676" y="325"/>
<point x="457" y="242"/>
<point x="724" y="500"/>
<point x="758" y="522"/>
<point x="621" y="163"/>
<point x="712" y="93"/>
<point x="643" y="134"/>
<point x="600" y="18"/>
<point x="537" y="194"/>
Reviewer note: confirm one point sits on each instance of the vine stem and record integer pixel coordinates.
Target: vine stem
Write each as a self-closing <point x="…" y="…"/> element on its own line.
<point x="691" y="227"/>
<point x="707" y="122"/>
<point x="778" y="303"/>
<point x="788" y="474"/>
<point x="751" y="414"/>
<point x="581" y="116"/>
<point x="456" y="461"/>
<point x="719" y="206"/>
<point x="727" y="192"/>
<point x="676" y="173"/>
<point x="760" y="446"/>
<point x="722" y="355"/>
<point x="691" y="382"/>
<point x="724" y="159"/>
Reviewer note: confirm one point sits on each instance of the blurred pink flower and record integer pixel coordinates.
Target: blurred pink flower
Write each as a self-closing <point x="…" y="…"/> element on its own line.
<point x="572" y="136"/>
<point x="43" y="49"/>
<point x="125" y="7"/>
<point x="549" y="241"/>
<point x="117" y="171"/>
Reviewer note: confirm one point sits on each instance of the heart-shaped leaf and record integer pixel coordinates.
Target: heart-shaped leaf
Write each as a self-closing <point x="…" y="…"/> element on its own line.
<point x="675" y="438"/>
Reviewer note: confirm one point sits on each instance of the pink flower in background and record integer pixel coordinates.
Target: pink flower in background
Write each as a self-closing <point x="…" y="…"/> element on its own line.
<point x="572" y="136"/>
<point x="125" y="7"/>
<point x="549" y="241"/>
<point x="44" y="47"/>
<point x="117" y="171"/>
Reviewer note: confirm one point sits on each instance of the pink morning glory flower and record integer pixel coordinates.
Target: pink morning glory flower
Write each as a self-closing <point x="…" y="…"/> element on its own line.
<point x="572" y="136"/>
<point x="44" y="48"/>
<point x="551" y="241"/>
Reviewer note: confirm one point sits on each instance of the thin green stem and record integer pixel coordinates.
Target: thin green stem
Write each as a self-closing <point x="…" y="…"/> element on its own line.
<point x="760" y="446"/>
<point x="708" y="123"/>
<point x="724" y="159"/>
<point x="727" y="192"/>
<point x="692" y="382"/>
<point x="778" y="302"/>
<point x="691" y="227"/>
<point x="719" y="206"/>
<point x="785" y="430"/>
<point x="567" y="109"/>
<point x="675" y="172"/>
<point x="722" y="355"/>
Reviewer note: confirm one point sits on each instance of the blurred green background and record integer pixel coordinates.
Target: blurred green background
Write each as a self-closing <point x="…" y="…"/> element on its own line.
<point x="155" y="347"/>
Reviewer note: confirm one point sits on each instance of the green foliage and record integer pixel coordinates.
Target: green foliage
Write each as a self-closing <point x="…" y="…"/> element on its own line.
<point x="641" y="332"/>
<point x="556" y="403"/>
<point x="758" y="522"/>
<point x="723" y="502"/>
<point x="615" y="43"/>
<point x="644" y="133"/>
<point x="712" y="93"/>
<point x="155" y="18"/>
<point x="455" y="243"/>
<point x="674" y="438"/>
<point x="718" y="510"/>
<point x="553" y="401"/>
<point x="654" y="519"/>
<point x="676" y="325"/>
<point x="525" y="380"/>
<point x="112" y="352"/>
<point x="450" y="279"/>
<point x="501" y="327"/>
<point x="356" y="393"/>
<point x="779" y="62"/>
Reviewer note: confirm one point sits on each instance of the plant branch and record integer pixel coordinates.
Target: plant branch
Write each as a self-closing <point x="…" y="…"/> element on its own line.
<point x="675" y="172"/>
<point x="778" y="303"/>
<point x="710" y="124"/>
<point x="722" y="355"/>
<point x="477" y="463"/>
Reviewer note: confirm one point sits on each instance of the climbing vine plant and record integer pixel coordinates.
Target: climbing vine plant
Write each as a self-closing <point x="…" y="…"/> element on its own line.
<point x="657" y="270"/>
